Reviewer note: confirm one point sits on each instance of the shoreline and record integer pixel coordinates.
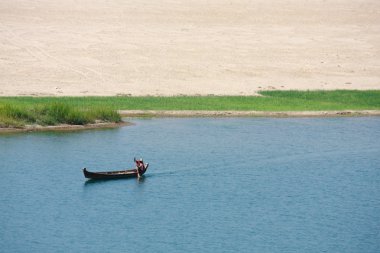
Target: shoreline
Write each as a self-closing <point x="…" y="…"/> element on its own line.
<point x="191" y="114"/>
<point x="63" y="127"/>
<point x="276" y="114"/>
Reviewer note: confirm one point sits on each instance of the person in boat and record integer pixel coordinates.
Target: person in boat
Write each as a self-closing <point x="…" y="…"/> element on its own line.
<point x="140" y="166"/>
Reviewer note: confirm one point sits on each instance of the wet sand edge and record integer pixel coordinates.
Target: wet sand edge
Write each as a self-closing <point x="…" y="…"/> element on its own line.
<point x="189" y="113"/>
<point x="63" y="127"/>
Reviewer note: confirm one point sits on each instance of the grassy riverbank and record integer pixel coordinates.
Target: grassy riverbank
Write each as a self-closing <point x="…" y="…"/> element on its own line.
<point x="18" y="111"/>
<point x="53" y="113"/>
<point x="269" y="101"/>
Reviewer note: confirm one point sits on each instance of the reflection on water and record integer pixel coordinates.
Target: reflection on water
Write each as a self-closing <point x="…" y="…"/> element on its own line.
<point x="213" y="185"/>
<point x="103" y="181"/>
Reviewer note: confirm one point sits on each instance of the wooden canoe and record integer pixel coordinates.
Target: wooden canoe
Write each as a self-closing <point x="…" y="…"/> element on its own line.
<point x="114" y="174"/>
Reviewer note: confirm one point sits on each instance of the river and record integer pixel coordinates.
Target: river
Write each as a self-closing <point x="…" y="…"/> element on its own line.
<point x="213" y="185"/>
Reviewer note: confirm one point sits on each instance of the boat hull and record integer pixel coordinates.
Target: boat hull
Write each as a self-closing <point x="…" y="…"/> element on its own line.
<point x="113" y="174"/>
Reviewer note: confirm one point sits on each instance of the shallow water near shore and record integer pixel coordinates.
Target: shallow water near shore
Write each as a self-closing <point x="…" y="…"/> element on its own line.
<point x="213" y="185"/>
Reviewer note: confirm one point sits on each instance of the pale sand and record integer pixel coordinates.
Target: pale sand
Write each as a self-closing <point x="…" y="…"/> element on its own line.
<point x="193" y="47"/>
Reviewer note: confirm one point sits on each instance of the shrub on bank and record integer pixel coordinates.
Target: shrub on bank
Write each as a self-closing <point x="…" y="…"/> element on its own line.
<point x="107" y="115"/>
<point x="53" y="114"/>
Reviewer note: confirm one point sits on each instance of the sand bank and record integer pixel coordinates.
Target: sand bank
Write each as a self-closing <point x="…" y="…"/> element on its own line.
<point x="184" y="113"/>
<point x="163" y="47"/>
<point x="63" y="127"/>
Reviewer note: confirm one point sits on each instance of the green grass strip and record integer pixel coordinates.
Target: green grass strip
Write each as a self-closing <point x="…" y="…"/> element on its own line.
<point x="269" y="101"/>
<point x="18" y="111"/>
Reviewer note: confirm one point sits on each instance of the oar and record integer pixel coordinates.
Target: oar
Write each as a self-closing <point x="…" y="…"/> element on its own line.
<point x="138" y="173"/>
<point x="137" y="169"/>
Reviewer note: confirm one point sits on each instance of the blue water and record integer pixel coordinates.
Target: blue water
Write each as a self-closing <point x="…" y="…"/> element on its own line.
<point x="214" y="185"/>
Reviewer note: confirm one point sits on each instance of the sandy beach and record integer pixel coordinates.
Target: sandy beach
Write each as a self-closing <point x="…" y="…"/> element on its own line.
<point x="164" y="47"/>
